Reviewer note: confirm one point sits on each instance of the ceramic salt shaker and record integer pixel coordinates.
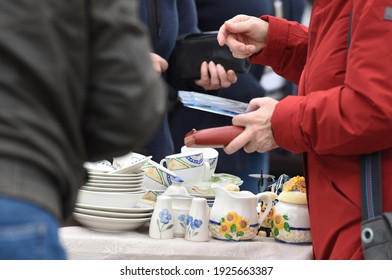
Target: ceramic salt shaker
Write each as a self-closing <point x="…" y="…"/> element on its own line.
<point x="197" y="221"/>
<point x="161" y="224"/>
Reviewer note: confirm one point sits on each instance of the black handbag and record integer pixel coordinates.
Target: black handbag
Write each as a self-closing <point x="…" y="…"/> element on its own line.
<point x="376" y="228"/>
<point x="194" y="48"/>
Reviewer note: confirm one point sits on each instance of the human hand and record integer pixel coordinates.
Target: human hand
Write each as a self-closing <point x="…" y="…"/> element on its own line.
<point x="159" y="64"/>
<point x="257" y="135"/>
<point x="244" y="35"/>
<point x="214" y="76"/>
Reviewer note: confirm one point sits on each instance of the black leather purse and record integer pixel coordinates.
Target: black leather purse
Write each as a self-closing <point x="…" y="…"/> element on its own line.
<point x="194" y="48"/>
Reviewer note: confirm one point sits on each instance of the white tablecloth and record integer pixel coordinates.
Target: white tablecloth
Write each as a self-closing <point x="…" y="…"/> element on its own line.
<point x="86" y="244"/>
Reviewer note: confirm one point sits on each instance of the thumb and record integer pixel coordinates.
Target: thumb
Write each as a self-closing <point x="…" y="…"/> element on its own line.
<point x="237" y="27"/>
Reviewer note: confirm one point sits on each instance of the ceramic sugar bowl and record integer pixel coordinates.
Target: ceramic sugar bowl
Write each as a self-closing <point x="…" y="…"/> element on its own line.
<point x="234" y="214"/>
<point x="290" y="222"/>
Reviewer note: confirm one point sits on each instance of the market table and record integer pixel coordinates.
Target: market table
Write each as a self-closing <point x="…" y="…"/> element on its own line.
<point x="85" y="244"/>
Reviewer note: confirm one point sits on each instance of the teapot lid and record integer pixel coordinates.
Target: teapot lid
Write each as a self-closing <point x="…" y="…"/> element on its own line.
<point x="293" y="197"/>
<point x="176" y="188"/>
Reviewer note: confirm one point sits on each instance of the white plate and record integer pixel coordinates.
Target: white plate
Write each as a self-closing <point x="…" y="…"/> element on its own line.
<point x="109" y="224"/>
<point x="117" y="181"/>
<point x="101" y="185"/>
<point x="111" y="214"/>
<point x="118" y="176"/>
<point x="102" y="166"/>
<point x="127" y="159"/>
<point x="98" y="189"/>
<point x="140" y="208"/>
<point x="132" y="167"/>
<point x="208" y="196"/>
<point x="225" y="179"/>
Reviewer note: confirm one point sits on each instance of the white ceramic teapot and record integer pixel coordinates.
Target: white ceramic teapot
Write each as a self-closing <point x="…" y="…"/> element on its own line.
<point x="234" y="215"/>
<point x="290" y="221"/>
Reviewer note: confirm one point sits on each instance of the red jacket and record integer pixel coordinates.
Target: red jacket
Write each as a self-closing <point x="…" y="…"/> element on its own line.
<point x="344" y="109"/>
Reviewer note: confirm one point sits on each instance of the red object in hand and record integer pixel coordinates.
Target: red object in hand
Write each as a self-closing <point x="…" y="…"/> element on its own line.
<point x="215" y="137"/>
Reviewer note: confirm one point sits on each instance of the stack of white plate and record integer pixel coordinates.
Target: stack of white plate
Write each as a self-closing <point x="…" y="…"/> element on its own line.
<point x="113" y="219"/>
<point x="109" y="182"/>
<point x="112" y="201"/>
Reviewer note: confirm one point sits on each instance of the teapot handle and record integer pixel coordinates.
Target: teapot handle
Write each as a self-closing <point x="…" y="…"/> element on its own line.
<point x="268" y="208"/>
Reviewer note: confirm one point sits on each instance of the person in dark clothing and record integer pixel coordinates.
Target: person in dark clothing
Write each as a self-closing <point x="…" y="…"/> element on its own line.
<point x="211" y="15"/>
<point x="166" y="21"/>
<point x="76" y="85"/>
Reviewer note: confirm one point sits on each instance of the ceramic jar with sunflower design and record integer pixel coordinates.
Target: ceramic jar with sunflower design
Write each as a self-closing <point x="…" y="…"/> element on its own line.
<point x="234" y="214"/>
<point x="290" y="221"/>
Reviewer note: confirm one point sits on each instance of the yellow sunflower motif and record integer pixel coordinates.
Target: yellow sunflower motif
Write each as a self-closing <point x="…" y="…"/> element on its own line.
<point x="278" y="221"/>
<point x="243" y="225"/>
<point x="224" y="228"/>
<point x="296" y="183"/>
<point x="231" y="217"/>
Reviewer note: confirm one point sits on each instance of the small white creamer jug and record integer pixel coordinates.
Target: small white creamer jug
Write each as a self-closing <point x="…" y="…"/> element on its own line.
<point x="234" y="214"/>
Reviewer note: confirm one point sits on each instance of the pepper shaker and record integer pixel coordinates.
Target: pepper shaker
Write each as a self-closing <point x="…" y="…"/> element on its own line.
<point x="161" y="224"/>
<point x="197" y="221"/>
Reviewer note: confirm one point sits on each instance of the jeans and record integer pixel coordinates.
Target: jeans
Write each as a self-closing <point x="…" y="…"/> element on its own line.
<point x="28" y="232"/>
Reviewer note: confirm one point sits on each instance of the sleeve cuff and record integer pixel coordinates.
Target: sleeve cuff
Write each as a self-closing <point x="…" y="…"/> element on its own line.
<point x="286" y="124"/>
<point x="276" y="41"/>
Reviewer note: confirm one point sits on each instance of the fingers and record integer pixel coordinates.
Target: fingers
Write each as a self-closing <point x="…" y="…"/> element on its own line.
<point x="224" y="79"/>
<point x="160" y="65"/>
<point x="239" y="49"/>
<point x="232" y="76"/>
<point x="241" y="35"/>
<point x="258" y="135"/>
<point x="222" y="34"/>
<point x="209" y="79"/>
<point x="213" y="77"/>
<point x="238" y="143"/>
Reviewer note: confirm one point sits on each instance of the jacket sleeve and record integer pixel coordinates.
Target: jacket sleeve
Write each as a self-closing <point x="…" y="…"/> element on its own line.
<point x="286" y="48"/>
<point x="354" y="117"/>
<point x="126" y="97"/>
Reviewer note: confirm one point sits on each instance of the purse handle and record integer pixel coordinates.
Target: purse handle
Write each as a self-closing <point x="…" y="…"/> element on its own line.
<point x="371" y="193"/>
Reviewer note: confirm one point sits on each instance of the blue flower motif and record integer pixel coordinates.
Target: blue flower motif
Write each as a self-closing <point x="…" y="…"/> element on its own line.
<point x="189" y="220"/>
<point x="196" y="224"/>
<point x="182" y="217"/>
<point x="164" y="216"/>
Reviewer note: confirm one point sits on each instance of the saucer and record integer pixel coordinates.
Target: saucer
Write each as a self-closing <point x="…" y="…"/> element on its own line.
<point x="111" y="214"/>
<point x="109" y="224"/>
<point x="140" y="208"/>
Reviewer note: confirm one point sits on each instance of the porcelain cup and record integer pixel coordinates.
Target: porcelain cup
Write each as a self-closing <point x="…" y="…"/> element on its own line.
<point x="189" y="166"/>
<point x="209" y="154"/>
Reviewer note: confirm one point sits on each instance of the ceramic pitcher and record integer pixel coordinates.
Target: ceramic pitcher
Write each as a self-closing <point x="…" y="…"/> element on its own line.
<point x="234" y="215"/>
